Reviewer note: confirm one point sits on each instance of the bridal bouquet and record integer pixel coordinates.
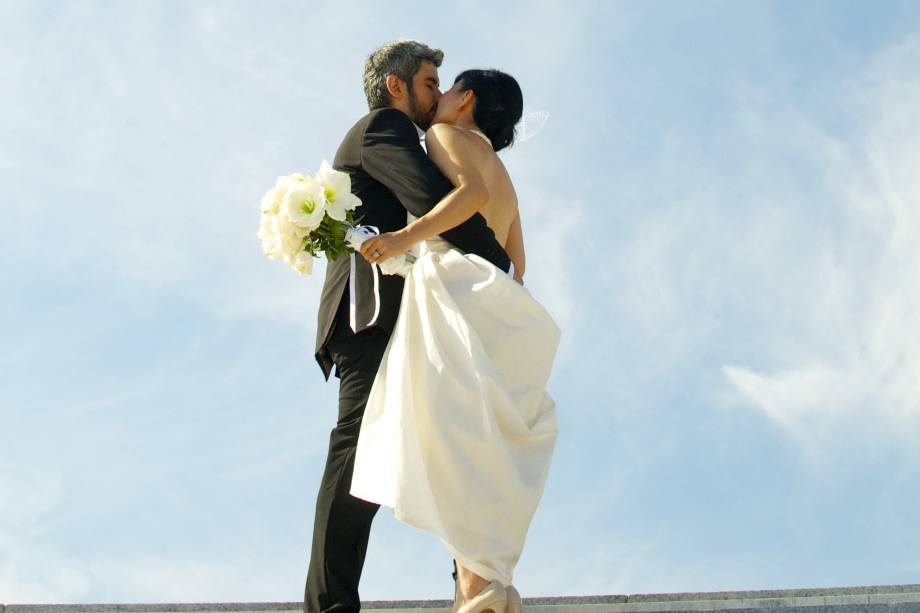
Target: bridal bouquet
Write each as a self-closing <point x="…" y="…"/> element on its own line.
<point x="303" y="215"/>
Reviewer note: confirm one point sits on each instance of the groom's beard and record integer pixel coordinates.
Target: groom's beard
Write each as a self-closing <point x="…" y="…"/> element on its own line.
<point x="422" y="119"/>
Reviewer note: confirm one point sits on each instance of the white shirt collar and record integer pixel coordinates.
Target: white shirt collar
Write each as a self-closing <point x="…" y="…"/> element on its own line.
<point x="421" y="137"/>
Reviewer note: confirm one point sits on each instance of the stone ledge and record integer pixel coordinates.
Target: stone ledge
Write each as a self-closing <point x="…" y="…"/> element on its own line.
<point x="862" y="599"/>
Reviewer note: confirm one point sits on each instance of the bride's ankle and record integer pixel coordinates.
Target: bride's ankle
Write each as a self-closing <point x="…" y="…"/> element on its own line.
<point x="472" y="585"/>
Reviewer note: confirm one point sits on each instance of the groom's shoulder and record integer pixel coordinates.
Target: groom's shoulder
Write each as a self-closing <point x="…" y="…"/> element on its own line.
<point x="380" y="121"/>
<point x="388" y="118"/>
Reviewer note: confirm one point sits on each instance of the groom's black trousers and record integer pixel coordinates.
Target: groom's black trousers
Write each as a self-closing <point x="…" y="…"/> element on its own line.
<point x="342" y="523"/>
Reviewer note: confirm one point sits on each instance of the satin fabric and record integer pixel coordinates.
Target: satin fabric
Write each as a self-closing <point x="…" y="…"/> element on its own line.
<point x="458" y="432"/>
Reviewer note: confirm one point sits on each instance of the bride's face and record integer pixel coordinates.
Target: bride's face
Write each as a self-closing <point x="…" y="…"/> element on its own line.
<point x="449" y="106"/>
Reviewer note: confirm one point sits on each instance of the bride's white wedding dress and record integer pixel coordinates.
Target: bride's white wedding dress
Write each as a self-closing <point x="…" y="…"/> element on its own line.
<point x="458" y="432"/>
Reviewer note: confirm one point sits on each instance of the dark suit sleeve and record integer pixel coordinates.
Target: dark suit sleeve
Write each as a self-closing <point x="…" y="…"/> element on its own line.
<point x="391" y="154"/>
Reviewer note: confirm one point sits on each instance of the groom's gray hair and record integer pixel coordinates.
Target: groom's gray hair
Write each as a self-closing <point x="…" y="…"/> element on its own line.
<point x="401" y="58"/>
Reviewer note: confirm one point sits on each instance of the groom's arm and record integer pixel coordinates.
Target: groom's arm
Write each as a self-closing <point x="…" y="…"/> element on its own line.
<point x="391" y="154"/>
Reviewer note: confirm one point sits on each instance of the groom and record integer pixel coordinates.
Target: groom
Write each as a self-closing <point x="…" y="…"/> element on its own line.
<point x="391" y="174"/>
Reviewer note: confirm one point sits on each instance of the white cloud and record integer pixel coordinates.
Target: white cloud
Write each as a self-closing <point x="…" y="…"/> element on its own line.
<point x="38" y="573"/>
<point x="26" y="493"/>
<point x="770" y="242"/>
<point x="32" y="570"/>
<point x="553" y="272"/>
<point x="859" y="358"/>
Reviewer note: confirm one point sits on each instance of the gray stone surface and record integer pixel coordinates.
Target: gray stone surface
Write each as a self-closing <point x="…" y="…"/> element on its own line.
<point x="857" y="599"/>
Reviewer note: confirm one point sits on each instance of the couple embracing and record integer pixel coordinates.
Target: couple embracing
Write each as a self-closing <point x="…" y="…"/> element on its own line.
<point x="443" y="414"/>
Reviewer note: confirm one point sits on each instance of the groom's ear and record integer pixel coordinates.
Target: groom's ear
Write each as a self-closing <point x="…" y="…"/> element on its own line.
<point x="396" y="87"/>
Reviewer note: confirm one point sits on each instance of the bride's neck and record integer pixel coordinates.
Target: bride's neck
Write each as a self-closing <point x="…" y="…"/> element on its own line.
<point x="466" y="122"/>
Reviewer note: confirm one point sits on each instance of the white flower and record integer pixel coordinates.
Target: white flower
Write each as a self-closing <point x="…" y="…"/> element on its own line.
<point x="304" y="203"/>
<point x="281" y="239"/>
<point x="290" y="237"/>
<point x="271" y="200"/>
<point x="337" y="191"/>
<point x="268" y="234"/>
<point x="295" y="207"/>
<point x="302" y="263"/>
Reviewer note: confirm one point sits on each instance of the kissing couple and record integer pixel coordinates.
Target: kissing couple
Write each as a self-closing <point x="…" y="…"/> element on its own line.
<point x="443" y="414"/>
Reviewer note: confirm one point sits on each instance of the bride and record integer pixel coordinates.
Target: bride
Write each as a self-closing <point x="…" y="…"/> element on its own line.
<point x="458" y="432"/>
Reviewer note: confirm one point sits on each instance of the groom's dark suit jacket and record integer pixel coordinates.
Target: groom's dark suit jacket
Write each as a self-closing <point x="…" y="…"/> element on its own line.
<point x="391" y="174"/>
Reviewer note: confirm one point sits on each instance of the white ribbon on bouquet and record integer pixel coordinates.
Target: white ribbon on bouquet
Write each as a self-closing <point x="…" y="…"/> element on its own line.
<point x="397" y="265"/>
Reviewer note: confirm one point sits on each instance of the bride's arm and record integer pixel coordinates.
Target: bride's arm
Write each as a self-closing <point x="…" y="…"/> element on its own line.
<point x="451" y="151"/>
<point x="515" y="248"/>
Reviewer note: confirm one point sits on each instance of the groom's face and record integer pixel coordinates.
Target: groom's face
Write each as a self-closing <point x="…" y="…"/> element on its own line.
<point x="424" y="95"/>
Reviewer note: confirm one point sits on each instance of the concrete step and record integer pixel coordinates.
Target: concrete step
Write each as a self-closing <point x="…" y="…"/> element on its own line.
<point x="861" y="599"/>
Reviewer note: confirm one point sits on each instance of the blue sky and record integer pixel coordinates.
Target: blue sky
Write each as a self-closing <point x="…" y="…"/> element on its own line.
<point x="721" y="213"/>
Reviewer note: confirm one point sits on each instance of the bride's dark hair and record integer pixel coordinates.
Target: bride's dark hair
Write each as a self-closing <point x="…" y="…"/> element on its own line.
<point x="499" y="103"/>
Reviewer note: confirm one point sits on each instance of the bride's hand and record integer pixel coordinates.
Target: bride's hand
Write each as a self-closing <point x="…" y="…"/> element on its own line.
<point x="384" y="246"/>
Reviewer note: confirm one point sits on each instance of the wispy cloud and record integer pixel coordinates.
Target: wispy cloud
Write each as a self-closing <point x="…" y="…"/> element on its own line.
<point x="713" y="219"/>
<point x="863" y="308"/>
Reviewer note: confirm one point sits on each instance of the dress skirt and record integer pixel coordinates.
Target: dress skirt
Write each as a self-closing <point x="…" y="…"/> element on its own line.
<point x="458" y="432"/>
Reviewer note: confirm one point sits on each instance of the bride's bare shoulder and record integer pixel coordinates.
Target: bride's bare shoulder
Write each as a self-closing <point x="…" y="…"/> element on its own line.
<point x="442" y="129"/>
<point x="449" y="136"/>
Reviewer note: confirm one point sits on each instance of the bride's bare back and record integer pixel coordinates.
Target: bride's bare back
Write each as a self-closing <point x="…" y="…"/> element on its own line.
<point x="501" y="209"/>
